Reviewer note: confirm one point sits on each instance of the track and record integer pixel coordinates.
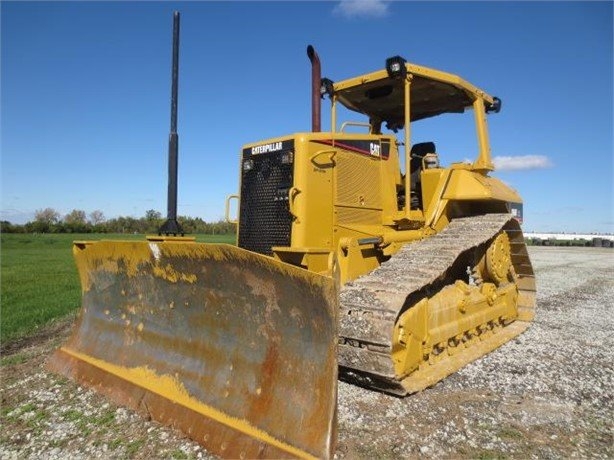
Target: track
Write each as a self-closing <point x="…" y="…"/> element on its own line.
<point x="371" y="305"/>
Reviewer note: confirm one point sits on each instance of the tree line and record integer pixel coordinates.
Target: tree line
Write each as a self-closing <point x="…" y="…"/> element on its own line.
<point x="49" y="220"/>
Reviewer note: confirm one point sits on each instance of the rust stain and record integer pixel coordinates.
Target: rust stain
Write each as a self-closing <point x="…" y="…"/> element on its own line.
<point x="268" y="375"/>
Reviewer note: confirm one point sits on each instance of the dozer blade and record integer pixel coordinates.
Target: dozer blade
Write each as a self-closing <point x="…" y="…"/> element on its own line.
<point x="235" y="349"/>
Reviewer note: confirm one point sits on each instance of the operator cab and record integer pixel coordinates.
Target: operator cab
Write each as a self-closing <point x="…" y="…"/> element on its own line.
<point x="404" y="93"/>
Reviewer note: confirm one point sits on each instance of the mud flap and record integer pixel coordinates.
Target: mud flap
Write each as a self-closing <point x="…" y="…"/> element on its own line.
<point x="235" y="349"/>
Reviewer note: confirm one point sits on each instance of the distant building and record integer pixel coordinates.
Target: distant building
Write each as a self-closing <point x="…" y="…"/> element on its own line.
<point x="570" y="239"/>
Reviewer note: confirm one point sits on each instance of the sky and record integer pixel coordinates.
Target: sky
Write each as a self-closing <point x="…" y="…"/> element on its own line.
<point x="85" y="96"/>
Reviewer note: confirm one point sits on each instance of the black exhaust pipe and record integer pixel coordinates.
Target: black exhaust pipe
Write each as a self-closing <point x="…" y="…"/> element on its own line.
<point x="171" y="226"/>
<point x="316" y="83"/>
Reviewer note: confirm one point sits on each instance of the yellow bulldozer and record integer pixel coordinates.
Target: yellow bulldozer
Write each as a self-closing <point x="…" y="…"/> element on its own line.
<point x="358" y="256"/>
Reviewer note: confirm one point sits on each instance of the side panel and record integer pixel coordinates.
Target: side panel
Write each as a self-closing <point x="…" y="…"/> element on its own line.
<point x="363" y="182"/>
<point x="315" y="164"/>
<point x="470" y="185"/>
<point x="460" y="192"/>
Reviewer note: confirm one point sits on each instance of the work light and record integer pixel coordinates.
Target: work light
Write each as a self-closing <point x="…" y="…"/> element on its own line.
<point x="287" y="158"/>
<point x="326" y="87"/>
<point x="495" y="107"/>
<point x="395" y="66"/>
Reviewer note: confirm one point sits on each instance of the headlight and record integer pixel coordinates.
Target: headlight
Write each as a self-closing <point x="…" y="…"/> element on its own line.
<point x="287" y="158"/>
<point x="395" y="66"/>
<point x="248" y="165"/>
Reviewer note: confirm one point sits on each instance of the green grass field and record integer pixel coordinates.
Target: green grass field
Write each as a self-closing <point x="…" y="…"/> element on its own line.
<point x="39" y="282"/>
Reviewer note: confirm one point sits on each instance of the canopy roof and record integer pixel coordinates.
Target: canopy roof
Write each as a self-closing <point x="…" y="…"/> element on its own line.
<point x="432" y="93"/>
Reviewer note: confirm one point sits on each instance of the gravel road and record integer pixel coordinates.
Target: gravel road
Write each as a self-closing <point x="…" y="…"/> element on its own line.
<point x="546" y="394"/>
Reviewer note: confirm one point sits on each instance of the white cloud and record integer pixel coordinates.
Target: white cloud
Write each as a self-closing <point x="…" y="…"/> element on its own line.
<point x="522" y="162"/>
<point x="362" y="8"/>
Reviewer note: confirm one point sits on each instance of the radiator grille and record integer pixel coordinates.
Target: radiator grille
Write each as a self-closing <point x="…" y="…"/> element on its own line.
<point x="264" y="218"/>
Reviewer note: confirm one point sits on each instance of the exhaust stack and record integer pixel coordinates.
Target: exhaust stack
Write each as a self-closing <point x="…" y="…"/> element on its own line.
<point x="171" y="226"/>
<point x="316" y="83"/>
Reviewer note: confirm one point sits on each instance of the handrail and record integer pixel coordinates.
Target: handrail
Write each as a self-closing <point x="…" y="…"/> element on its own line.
<point x="227" y="214"/>
<point x="355" y="123"/>
<point x="291" y="195"/>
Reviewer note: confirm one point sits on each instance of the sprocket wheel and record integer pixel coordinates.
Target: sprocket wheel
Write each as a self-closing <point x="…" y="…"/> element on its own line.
<point x="499" y="259"/>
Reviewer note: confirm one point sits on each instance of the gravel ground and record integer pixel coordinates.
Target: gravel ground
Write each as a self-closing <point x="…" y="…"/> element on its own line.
<point x="546" y="394"/>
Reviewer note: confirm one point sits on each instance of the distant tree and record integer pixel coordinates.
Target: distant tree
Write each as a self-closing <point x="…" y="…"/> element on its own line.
<point x="45" y="221"/>
<point x="152" y="222"/>
<point x="7" y="227"/>
<point x="97" y="222"/>
<point x="125" y="225"/>
<point x="152" y="214"/>
<point x="48" y="216"/>
<point x="192" y="224"/>
<point x="96" y="217"/>
<point x="76" y="216"/>
<point x="113" y="225"/>
<point x="222" y="227"/>
<point x="76" y="222"/>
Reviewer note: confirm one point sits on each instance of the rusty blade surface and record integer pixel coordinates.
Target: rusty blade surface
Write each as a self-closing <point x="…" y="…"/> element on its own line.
<point x="235" y="349"/>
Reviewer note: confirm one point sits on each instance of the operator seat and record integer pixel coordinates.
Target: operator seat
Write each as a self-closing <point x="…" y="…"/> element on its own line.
<point x="417" y="153"/>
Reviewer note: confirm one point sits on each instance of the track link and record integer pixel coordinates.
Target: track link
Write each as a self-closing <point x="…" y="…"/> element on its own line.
<point x="371" y="305"/>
